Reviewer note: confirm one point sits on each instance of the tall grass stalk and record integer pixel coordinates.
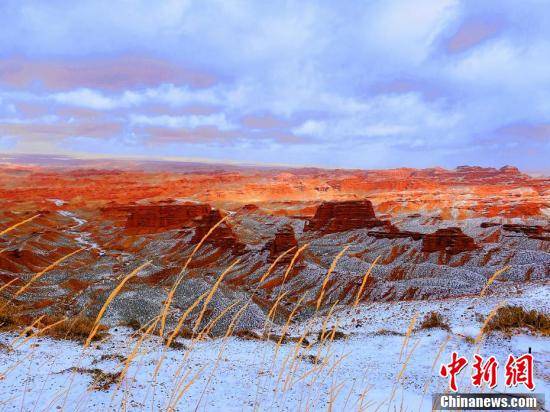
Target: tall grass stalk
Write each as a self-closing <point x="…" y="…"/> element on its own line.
<point x="39" y="274"/>
<point x="364" y="282"/>
<point x="179" y="279"/>
<point x="113" y="294"/>
<point x="492" y="279"/>
<point x="212" y="292"/>
<point x="9" y="229"/>
<point x="330" y="270"/>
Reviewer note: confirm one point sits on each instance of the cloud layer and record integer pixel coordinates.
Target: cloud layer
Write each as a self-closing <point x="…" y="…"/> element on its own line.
<point x="355" y="84"/>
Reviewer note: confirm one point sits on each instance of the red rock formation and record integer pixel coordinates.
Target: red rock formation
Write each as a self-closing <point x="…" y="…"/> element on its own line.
<point x="450" y="240"/>
<point x="331" y="217"/>
<point x="158" y="218"/>
<point x="222" y="237"/>
<point x="284" y="240"/>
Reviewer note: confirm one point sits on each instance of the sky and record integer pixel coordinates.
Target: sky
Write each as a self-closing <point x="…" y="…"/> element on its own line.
<point x="351" y="84"/>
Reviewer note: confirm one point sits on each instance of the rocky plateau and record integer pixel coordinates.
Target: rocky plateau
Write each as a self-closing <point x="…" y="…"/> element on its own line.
<point x="434" y="234"/>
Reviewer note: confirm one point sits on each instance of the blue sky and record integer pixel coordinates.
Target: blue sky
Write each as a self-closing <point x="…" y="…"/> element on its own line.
<point x="367" y="84"/>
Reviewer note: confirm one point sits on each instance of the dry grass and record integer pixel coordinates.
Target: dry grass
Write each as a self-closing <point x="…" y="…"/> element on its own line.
<point x="336" y="335"/>
<point x="492" y="279"/>
<point x="364" y="282"/>
<point x="179" y="279"/>
<point x="113" y="294"/>
<point x="327" y="277"/>
<point x="9" y="229"/>
<point x="84" y="329"/>
<point x="508" y="318"/>
<point x="434" y="320"/>
<point x="101" y="380"/>
<point x="77" y="329"/>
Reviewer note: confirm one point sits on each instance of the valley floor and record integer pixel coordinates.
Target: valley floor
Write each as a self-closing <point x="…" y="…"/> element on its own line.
<point x="368" y="368"/>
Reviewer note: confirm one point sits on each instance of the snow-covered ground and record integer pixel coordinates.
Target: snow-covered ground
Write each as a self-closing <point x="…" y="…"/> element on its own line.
<point x="369" y="368"/>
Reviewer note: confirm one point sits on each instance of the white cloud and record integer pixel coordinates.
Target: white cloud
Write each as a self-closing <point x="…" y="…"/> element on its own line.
<point x="189" y="122"/>
<point x="315" y="65"/>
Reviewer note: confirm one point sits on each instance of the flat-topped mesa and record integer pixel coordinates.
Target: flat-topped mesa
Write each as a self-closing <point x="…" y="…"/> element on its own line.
<point x="509" y="170"/>
<point x="222" y="237"/>
<point x="332" y="217"/>
<point x="162" y="217"/>
<point x="450" y="240"/>
<point x="284" y="240"/>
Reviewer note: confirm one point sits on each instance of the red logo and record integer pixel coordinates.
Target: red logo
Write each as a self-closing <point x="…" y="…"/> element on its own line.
<point x="485" y="372"/>
<point x="520" y="370"/>
<point x="452" y="369"/>
<point x="516" y="371"/>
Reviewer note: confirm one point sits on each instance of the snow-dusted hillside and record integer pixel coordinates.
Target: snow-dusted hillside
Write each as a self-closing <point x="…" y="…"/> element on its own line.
<point x="365" y="368"/>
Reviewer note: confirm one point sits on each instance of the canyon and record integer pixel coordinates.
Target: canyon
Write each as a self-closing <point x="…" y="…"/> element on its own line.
<point x="421" y="234"/>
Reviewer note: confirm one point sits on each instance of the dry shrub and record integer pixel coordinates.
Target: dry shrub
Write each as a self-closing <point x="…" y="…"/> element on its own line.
<point x="77" y="329"/>
<point x="186" y="333"/>
<point x="247" y="334"/>
<point x="330" y="334"/>
<point x="7" y="320"/>
<point x="434" y="320"/>
<point x="101" y="380"/>
<point x="507" y="318"/>
<point x="110" y="357"/>
<point x="176" y="345"/>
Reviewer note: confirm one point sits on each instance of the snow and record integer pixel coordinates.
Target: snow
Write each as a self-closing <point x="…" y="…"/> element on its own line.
<point x="241" y="374"/>
<point x="57" y="202"/>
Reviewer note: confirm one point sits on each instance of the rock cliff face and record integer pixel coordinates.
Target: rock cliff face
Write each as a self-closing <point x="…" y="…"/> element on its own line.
<point x="222" y="237"/>
<point x="450" y="240"/>
<point x="158" y="218"/>
<point x="284" y="240"/>
<point x="332" y="217"/>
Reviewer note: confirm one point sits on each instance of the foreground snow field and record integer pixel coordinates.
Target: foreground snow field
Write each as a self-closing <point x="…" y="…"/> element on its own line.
<point x="368" y="367"/>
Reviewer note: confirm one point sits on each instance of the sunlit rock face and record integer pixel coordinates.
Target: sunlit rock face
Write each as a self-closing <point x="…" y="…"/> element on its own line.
<point x="332" y="217"/>
<point x="158" y="218"/>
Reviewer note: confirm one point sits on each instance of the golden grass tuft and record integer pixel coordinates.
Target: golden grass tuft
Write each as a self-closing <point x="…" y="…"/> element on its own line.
<point x="434" y="320"/>
<point x="507" y="318"/>
<point x="77" y="329"/>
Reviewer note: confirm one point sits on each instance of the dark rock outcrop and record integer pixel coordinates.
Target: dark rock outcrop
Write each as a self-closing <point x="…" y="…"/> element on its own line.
<point x="284" y="240"/>
<point x="332" y="217"/>
<point x="532" y="231"/>
<point x="450" y="240"/>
